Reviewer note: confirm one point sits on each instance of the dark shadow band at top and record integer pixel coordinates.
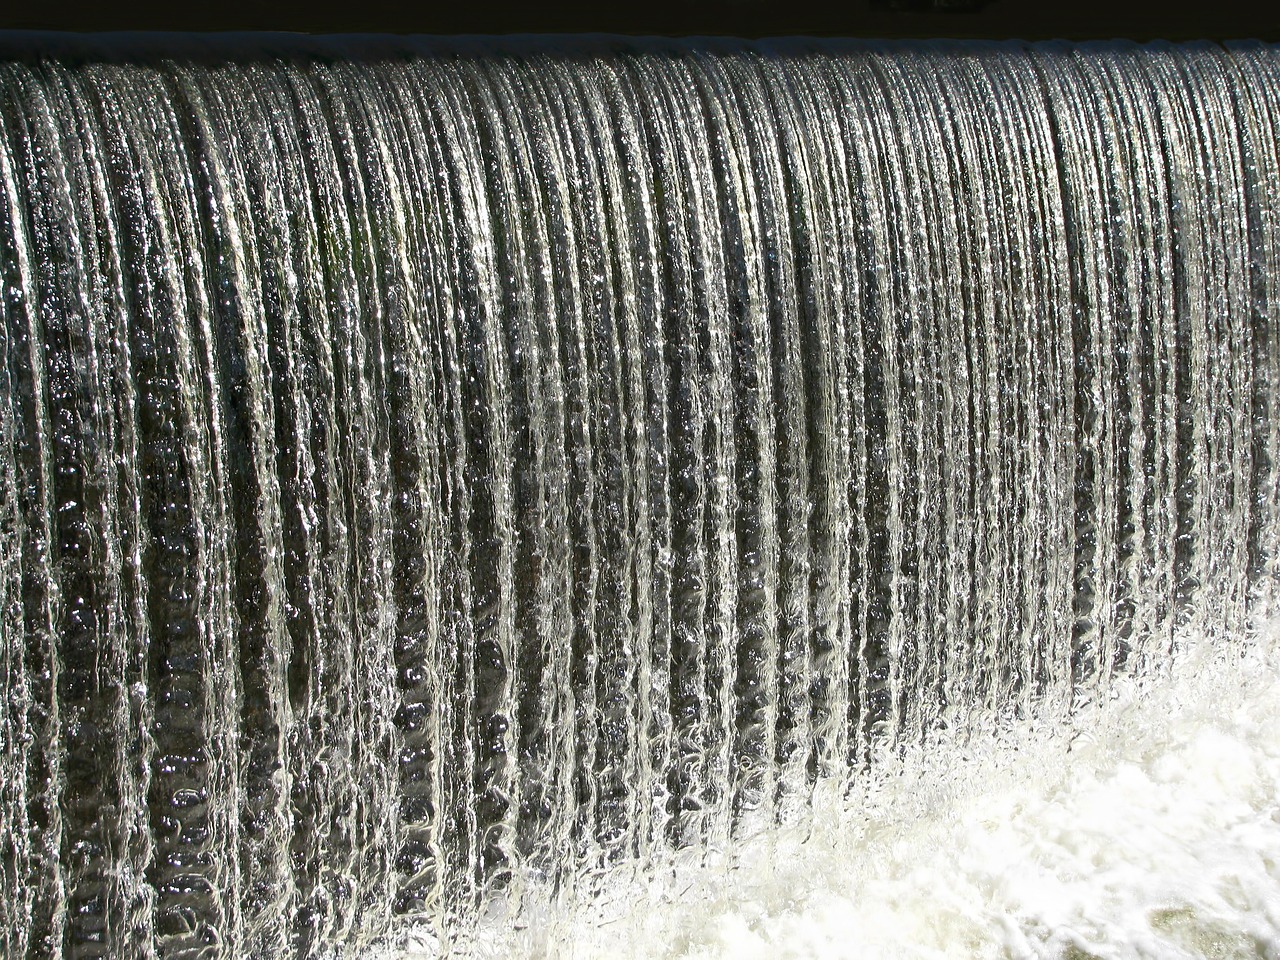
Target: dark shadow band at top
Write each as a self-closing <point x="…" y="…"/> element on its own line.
<point x="887" y="19"/>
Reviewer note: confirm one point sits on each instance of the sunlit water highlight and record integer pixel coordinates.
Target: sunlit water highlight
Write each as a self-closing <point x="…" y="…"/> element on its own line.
<point x="1147" y="827"/>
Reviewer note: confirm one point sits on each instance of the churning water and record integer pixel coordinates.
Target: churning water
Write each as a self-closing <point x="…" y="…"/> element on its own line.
<point x="439" y="475"/>
<point x="1147" y="826"/>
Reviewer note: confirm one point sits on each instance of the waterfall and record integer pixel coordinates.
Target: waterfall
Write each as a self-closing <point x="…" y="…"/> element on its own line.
<point x="432" y="468"/>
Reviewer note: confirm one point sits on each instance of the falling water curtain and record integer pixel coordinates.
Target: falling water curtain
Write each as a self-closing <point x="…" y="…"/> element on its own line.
<point x="430" y="468"/>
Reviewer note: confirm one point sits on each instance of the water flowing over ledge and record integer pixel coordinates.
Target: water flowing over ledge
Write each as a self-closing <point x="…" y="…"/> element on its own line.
<point x="435" y="475"/>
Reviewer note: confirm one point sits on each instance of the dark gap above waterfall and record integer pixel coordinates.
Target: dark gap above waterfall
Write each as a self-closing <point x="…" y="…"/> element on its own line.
<point x="963" y="19"/>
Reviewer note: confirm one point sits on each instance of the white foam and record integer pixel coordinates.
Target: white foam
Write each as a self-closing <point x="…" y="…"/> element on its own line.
<point x="1149" y="826"/>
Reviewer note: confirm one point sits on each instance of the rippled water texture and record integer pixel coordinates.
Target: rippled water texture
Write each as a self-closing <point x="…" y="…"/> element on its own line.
<point x="442" y="473"/>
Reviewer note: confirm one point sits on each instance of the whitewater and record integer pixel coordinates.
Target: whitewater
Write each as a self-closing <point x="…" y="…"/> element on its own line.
<point x="1146" y="827"/>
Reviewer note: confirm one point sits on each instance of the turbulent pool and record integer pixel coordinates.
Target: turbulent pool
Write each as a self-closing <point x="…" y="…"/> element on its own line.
<point x="1147" y="827"/>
